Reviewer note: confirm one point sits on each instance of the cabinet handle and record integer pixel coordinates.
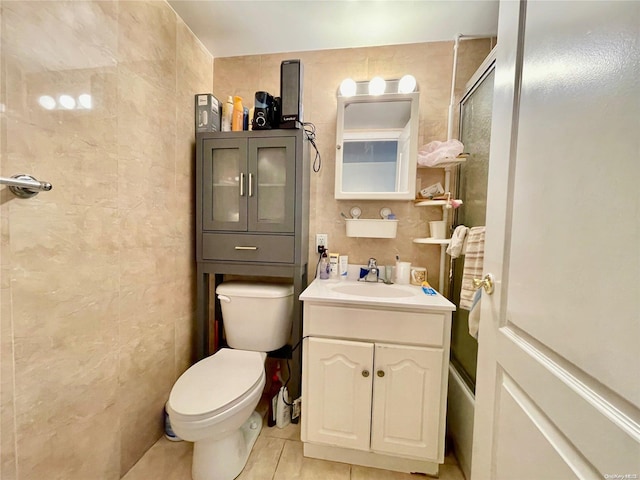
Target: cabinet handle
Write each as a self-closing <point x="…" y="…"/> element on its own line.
<point x="251" y="184"/>
<point x="238" y="247"/>
<point x="380" y="373"/>
<point x="242" y="184"/>
<point x="365" y="373"/>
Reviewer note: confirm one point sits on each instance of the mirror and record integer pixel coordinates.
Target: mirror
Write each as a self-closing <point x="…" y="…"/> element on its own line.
<point x="377" y="142"/>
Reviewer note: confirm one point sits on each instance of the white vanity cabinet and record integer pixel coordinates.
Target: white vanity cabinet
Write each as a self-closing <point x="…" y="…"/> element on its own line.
<point x="371" y="396"/>
<point x="374" y="380"/>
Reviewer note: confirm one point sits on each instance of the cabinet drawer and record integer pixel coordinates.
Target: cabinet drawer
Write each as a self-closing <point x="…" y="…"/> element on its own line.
<point x="411" y="328"/>
<point x="248" y="248"/>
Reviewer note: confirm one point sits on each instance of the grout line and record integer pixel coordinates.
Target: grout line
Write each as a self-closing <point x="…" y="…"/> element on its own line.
<point x="279" y="458"/>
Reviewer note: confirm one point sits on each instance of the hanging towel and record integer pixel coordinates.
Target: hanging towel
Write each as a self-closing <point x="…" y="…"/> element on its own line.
<point x="474" y="314"/>
<point x="457" y="241"/>
<point x="473" y="260"/>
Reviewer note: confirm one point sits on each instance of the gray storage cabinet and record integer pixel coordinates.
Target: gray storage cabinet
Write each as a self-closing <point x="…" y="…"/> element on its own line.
<point x="252" y="218"/>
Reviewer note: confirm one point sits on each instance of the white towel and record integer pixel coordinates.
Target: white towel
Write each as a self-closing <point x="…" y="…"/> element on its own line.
<point x="457" y="241"/>
<point x="473" y="260"/>
<point x="474" y="314"/>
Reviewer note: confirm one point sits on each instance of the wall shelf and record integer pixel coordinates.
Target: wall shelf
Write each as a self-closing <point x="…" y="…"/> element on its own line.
<point x="430" y="203"/>
<point x="448" y="162"/>
<point x="432" y="241"/>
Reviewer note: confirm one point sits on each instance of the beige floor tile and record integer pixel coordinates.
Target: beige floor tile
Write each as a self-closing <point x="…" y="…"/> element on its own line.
<point x="366" y="473"/>
<point x="164" y="461"/>
<point x="263" y="460"/>
<point x="451" y="471"/>
<point x="290" y="432"/>
<point x="272" y="458"/>
<point x="294" y="466"/>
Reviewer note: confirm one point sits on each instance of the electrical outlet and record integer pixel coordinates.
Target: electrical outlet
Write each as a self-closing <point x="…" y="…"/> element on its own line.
<point x="322" y="240"/>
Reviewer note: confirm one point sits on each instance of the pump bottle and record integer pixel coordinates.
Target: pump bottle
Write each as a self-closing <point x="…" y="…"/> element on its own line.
<point x="325" y="267"/>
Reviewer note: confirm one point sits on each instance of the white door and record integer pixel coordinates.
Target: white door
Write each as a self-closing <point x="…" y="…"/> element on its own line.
<point x="406" y="401"/>
<point x="338" y="397"/>
<point x="558" y="391"/>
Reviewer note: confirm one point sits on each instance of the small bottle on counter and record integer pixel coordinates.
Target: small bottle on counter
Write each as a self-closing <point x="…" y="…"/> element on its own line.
<point x="324" y="267"/>
<point x="343" y="266"/>
<point x="333" y="265"/>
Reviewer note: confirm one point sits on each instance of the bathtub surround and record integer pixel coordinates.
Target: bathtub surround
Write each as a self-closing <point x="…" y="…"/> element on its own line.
<point x="97" y="275"/>
<point x="430" y="63"/>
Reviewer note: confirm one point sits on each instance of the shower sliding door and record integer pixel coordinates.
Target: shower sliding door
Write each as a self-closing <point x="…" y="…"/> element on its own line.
<point x="471" y="184"/>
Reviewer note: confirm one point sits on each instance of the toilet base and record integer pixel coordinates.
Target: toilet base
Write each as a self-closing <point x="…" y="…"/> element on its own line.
<point x="224" y="459"/>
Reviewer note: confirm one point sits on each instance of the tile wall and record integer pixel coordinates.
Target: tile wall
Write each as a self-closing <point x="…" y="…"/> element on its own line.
<point x="430" y="63"/>
<point x="97" y="275"/>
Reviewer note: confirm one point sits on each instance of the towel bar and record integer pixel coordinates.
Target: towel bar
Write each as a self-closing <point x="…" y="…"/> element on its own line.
<point x="25" y="186"/>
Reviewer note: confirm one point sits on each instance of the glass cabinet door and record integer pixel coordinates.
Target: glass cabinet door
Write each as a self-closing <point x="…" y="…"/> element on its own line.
<point x="271" y="184"/>
<point x="224" y="185"/>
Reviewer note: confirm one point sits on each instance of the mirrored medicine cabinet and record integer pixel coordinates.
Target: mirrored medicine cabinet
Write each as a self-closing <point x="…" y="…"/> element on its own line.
<point x="376" y="145"/>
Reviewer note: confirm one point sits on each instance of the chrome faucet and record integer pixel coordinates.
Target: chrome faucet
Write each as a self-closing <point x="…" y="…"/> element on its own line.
<point x="372" y="267"/>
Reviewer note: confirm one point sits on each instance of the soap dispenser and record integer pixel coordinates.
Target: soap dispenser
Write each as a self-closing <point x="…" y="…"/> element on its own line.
<point x="325" y="267"/>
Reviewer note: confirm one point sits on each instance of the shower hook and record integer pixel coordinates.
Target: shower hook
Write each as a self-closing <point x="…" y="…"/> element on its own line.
<point x="25" y="186"/>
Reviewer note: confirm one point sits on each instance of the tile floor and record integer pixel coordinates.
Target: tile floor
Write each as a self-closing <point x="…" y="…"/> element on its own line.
<point x="277" y="455"/>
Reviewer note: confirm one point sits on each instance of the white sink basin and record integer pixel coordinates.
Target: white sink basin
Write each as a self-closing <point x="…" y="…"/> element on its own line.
<point x="378" y="290"/>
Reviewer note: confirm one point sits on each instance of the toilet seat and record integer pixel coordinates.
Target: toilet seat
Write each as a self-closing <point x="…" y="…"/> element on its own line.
<point x="216" y="384"/>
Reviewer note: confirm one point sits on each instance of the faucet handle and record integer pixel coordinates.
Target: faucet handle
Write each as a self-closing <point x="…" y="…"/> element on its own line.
<point x="372" y="263"/>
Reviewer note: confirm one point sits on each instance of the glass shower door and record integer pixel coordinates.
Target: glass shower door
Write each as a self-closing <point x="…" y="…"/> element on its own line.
<point x="475" y="134"/>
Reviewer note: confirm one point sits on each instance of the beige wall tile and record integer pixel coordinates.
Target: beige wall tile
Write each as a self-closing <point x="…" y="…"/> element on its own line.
<point x="430" y="63"/>
<point x="96" y="275"/>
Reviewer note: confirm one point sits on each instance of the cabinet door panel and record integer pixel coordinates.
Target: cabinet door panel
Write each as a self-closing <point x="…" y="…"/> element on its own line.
<point x="224" y="172"/>
<point x="406" y="400"/>
<point x="338" y="400"/>
<point x="271" y="187"/>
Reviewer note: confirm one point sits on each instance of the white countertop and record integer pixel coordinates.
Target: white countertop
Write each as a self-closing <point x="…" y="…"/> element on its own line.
<point x="374" y="294"/>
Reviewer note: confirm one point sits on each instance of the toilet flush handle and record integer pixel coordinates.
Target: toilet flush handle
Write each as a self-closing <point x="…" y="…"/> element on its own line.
<point x="224" y="298"/>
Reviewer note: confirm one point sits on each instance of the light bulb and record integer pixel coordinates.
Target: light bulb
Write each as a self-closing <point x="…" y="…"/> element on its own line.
<point x="85" y="101"/>
<point x="407" y="84"/>
<point x="377" y="86"/>
<point x="47" y="102"/>
<point x="348" y="87"/>
<point x="67" y="101"/>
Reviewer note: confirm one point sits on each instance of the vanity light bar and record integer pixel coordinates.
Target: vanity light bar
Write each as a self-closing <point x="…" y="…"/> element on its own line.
<point x="377" y="86"/>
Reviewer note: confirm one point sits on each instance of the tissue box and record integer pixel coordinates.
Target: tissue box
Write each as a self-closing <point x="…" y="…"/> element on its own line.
<point x="207" y="113"/>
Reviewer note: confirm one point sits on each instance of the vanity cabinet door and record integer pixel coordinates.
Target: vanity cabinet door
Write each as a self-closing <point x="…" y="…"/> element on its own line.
<point x="406" y="400"/>
<point x="338" y="396"/>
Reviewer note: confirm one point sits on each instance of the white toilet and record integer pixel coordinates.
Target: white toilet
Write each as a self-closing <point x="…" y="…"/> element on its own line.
<point x="213" y="402"/>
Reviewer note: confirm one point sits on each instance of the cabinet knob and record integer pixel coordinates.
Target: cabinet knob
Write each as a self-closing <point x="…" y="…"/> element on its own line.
<point x="365" y="373"/>
<point x="380" y="373"/>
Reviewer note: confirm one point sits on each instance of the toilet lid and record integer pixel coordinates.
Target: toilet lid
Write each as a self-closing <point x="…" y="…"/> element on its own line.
<point x="216" y="382"/>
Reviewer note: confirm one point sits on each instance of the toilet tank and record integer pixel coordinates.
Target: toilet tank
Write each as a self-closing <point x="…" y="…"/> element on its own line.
<point x="256" y="316"/>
